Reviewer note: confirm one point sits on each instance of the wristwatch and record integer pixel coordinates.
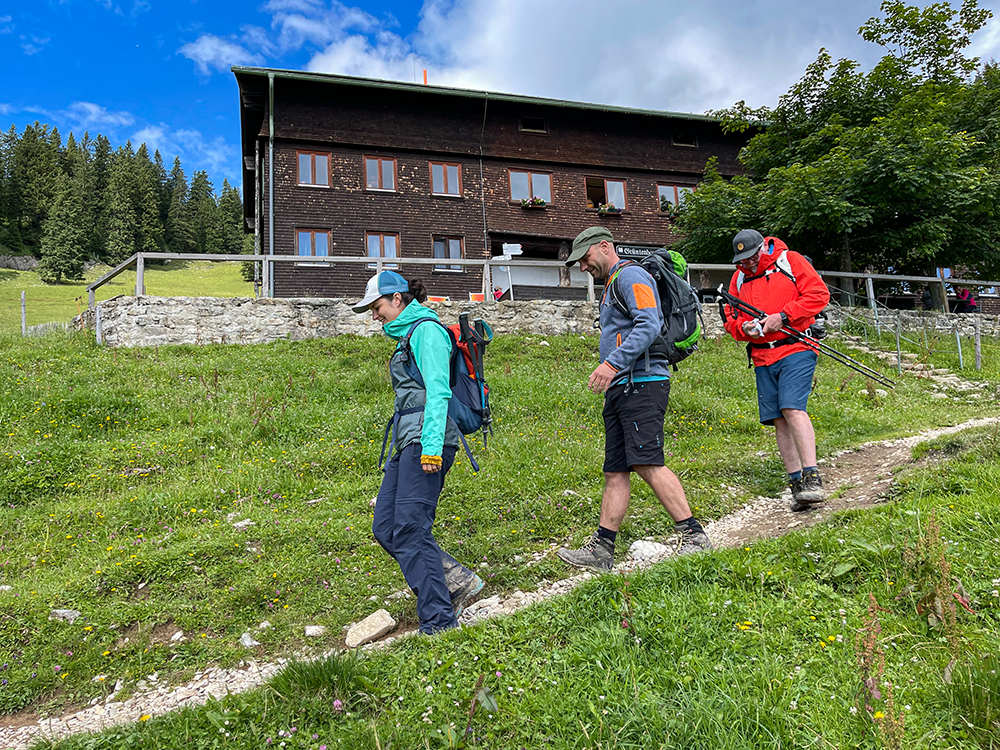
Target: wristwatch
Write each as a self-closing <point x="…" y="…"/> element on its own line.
<point x="784" y="318"/>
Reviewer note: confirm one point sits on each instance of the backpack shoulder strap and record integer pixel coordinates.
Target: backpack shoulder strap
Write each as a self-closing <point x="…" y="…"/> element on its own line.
<point x="612" y="289"/>
<point x="404" y="345"/>
<point x="783" y="265"/>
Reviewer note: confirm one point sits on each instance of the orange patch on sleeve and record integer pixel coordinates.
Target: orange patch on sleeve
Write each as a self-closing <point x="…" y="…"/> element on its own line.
<point x="643" y="296"/>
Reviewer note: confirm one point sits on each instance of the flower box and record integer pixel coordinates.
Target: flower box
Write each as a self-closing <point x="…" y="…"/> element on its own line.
<point x="608" y="209"/>
<point x="533" y="203"/>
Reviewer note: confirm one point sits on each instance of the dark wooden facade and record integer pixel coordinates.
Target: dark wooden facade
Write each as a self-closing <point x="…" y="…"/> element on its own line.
<point x="341" y="121"/>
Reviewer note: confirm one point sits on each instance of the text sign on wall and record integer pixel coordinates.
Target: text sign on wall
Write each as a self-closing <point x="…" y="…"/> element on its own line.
<point x="635" y="251"/>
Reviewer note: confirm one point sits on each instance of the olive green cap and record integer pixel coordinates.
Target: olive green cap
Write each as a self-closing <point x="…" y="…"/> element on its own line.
<point x="586" y="238"/>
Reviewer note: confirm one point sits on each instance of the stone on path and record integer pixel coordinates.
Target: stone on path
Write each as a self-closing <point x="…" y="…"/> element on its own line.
<point x="646" y="549"/>
<point x="66" y="615"/>
<point x="315" y="631"/>
<point x="374" y="626"/>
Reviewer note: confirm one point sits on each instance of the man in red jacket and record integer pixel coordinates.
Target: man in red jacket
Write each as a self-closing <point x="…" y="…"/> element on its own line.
<point x="784" y="285"/>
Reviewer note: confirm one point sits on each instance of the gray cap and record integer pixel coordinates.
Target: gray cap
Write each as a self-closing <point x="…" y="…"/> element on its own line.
<point x="746" y="243"/>
<point x="586" y="238"/>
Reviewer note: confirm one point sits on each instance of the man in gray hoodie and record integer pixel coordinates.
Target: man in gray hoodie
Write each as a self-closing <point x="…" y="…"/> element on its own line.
<point x="636" y="389"/>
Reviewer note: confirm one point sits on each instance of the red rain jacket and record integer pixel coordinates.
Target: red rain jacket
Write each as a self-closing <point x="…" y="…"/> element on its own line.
<point x="772" y="291"/>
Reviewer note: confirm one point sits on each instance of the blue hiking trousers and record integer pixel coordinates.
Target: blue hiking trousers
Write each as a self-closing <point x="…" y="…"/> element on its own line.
<point x="404" y="515"/>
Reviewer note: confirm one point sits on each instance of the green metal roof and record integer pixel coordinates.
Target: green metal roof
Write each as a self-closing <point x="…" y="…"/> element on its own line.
<point x="299" y="75"/>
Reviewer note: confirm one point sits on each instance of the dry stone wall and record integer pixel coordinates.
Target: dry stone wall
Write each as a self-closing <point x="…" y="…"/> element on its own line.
<point x="156" y="321"/>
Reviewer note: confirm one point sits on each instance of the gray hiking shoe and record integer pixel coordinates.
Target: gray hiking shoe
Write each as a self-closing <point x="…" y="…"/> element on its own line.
<point x="691" y="542"/>
<point x="810" y="491"/>
<point x="597" y="554"/>
<point x="464" y="596"/>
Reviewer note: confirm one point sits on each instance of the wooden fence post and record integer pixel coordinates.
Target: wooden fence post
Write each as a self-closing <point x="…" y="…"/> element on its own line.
<point x="24" y="316"/>
<point x="140" y="272"/>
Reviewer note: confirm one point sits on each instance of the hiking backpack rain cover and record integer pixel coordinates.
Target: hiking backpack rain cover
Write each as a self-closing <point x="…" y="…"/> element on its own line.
<point x="678" y="303"/>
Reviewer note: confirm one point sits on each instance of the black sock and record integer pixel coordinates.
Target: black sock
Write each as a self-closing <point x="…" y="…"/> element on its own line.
<point x="690" y="524"/>
<point x="603" y="533"/>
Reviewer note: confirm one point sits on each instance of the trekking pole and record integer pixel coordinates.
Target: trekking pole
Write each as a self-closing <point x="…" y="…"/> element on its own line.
<point x="817" y="346"/>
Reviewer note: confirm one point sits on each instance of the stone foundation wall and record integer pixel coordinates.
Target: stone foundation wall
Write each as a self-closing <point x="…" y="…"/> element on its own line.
<point x="156" y="321"/>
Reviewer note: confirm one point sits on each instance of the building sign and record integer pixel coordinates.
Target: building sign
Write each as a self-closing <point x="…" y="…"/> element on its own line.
<point x="635" y="251"/>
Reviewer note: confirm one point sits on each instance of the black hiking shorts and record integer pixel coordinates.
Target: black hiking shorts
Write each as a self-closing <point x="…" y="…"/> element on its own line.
<point x="633" y="424"/>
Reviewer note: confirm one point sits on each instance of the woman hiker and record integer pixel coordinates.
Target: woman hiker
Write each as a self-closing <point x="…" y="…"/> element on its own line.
<point x="425" y="443"/>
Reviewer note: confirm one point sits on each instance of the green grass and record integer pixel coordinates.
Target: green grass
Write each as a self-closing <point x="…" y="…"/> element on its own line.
<point x="45" y="303"/>
<point x="122" y="470"/>
<point x="741" y="648"/>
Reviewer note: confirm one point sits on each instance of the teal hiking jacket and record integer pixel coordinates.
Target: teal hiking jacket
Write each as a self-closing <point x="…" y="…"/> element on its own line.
<point x="430" y="345"/>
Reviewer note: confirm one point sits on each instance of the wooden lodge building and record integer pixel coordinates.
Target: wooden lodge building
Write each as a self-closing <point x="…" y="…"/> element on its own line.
<point x="341" y="166"/>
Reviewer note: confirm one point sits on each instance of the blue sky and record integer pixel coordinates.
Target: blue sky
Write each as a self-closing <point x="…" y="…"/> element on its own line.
<point x="157" y="71"/>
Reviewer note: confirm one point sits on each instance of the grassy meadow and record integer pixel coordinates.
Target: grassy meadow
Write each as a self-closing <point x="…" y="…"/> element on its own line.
<point x="123" y="471"/>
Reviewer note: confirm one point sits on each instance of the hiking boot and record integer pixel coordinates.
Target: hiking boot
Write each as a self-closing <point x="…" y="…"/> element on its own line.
<point x="795" y="485"/>
<point x="693" y="541"/>
<point x="464" y="596"/>
<point x="810" y="491"/>
<point x="598" y="555"/>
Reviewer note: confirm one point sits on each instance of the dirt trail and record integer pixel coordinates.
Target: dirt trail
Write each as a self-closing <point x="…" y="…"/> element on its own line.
<point x="856" y="478"/>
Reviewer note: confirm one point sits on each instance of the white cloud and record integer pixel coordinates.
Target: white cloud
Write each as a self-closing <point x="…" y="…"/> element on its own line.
<point x="90" y="115"/>
<point x="35" y="45"/>
<point x="209" y="51"/>
<point x="658" y="54"/>
<point x="6" y="25"/>
<point x="216" y="156"/>
<point x="80" y="116"/>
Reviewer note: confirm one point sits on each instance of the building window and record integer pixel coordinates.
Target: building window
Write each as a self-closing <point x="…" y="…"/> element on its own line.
<point x="314" y="168"/>
<point x="380" y="173"/>
<point x="446" y="179"/>
<point x="382" y="246"/>
<point x="687" y="140"/>
<point x="313" y="242"/>
<point x="671" y="195"/>
<point x="533" y="125"/>
<point x="445" y="248"/>
<point x="528" y="185"/>
<point x="601" y="192"/>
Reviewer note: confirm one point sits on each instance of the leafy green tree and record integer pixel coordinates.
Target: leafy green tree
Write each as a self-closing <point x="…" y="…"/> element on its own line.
<point x="879" y="169"/>
<point x="64" y="239"/>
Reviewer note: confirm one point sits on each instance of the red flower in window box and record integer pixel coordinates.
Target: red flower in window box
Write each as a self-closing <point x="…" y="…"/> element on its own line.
<point x="534" y="202"/>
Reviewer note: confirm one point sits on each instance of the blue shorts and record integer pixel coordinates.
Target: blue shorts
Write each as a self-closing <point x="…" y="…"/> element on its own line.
<point x="784" y="385"/>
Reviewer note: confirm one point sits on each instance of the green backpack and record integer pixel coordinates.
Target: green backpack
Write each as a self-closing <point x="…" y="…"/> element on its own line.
<point x="678" y="302"/>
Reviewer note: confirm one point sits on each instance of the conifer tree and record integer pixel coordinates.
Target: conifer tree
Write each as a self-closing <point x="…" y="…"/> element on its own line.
<point x="146" y="203"/>
<point x="122" y="220"/>
<point x="101" y="168"/>
<point x="35" y="166"/>
<point x="231" y="216"/>
<point x="204" y="212"/>
<point x="177" y="228"/>
<point x="64" y="237"/>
